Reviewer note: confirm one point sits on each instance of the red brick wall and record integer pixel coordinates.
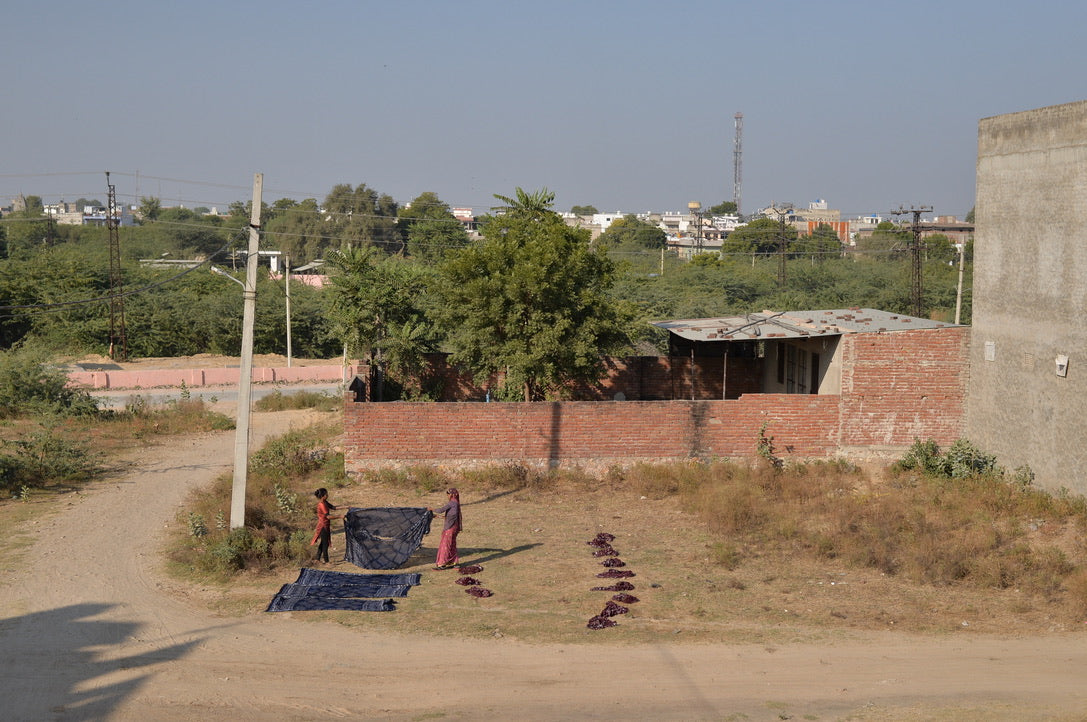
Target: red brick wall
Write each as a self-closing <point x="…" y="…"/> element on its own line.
<point x="585" y="433"/>
<point x="904" y="385"/>
<point x="895" y="387"/>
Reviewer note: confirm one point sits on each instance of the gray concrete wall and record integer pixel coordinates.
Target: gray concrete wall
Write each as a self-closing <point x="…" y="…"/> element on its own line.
<point x="1030" y="294"/>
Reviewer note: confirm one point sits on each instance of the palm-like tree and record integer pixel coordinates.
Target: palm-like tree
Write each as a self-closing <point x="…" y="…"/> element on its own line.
<point x="535" y="204"/>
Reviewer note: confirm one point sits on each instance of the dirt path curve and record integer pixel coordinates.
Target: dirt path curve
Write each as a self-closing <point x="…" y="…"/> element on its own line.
<point x="90" y="630"/>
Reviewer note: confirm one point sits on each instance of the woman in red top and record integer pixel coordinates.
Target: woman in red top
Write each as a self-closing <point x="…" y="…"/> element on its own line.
<point x="323" y="536"/>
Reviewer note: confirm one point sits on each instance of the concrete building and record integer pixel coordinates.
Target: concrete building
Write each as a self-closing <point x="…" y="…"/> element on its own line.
<point x="1027" y="399"/>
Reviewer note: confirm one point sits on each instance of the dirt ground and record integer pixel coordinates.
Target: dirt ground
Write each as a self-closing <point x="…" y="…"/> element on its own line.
<point x="92" y="628"/>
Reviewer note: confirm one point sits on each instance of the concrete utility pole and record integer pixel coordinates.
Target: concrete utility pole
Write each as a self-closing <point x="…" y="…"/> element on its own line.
<point x="245" y="380"/>
<point x="958" y="291"/>
<point x="287" y="290"/>
<point x="916" y="281"/>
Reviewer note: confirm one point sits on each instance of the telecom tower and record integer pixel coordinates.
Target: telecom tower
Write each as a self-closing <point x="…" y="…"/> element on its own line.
<point x="738" y="162"/>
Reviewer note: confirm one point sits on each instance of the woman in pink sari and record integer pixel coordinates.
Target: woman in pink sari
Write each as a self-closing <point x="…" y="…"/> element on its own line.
<point x="447" y="549"/>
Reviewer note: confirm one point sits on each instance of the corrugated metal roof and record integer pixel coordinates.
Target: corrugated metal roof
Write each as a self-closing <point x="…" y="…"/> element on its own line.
<point x="771" y="325"/>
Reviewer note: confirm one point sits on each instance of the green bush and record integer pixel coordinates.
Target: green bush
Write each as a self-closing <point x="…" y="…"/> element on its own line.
<point x="45" y="456"/>
<point x="292" y="455"/>
<point x="28" y="385"/>
<point x="961" y="461"/>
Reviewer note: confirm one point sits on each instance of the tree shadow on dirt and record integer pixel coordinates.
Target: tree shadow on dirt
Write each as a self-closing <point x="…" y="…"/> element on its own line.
<point x="63" y="664"/>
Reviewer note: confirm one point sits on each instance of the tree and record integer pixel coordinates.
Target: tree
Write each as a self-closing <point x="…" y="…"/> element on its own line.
<point x="149" y="209"/>
<point x="887" y="242"/>
<point x="297" y="229"/>
<point x="584" y="210"/>
<point x="724" y="208"/>
<point x="631" y="232"/>
<point x="430" y="228"/>
<point x="970" y="215"/>
<point x="359" y="216"/>
<point x="761" y="236"/>
<point x="820" y="244"/>
<point x="530" y="301"/>
<point x="376" y="307"/>
<point x="527" y="205"/>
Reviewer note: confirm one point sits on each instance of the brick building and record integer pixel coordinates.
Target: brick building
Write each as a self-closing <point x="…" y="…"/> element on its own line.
<point x="859" y="382"/>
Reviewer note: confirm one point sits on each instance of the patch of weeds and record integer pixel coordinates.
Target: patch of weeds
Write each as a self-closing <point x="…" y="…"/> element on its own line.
<point x="198" y="528"/>
<point x="279" y="401"/>
<point x="725" y="554"/>
<point x="286" y="500"/>
<point x="46" y="455"/>
<point x="764" y="447"/>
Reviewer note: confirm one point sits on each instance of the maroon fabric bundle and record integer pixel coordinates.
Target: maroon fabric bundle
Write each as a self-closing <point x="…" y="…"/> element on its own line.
<point x="616" y="574"/>
<point x="611" y="609"/>
<point x="599" y="622"/>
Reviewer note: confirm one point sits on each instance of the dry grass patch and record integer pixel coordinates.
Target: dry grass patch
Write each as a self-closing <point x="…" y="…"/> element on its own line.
<point x="721" y="551"/>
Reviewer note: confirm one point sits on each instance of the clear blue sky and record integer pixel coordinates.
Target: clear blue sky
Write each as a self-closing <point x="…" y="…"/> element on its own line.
<point x="624" y="105"/>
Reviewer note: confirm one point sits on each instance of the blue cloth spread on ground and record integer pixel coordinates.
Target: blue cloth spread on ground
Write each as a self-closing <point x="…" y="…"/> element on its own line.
<point x="384" y="538"/>
<point x="319" y="589"/>
<point x="322" y="576"/>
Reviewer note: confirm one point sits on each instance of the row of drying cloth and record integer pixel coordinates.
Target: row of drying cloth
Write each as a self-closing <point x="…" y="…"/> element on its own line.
<point x="319" y="589"/>
<point x="377" y="538"/>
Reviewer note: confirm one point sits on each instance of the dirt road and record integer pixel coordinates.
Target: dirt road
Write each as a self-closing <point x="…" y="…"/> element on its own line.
<point x="90" y="629"/>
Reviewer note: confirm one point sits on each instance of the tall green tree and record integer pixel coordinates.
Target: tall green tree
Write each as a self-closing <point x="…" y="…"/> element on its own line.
<point x="149" y="209"/>
<point x="362" y="216"/>
<point x="820" y="244"/>
<point x="584" y="210"/>
<point x="761" y="236"/>
<point x="376" y="305"/>
<point x="298" y="229"/>
<point x="724" y="208"/>
<point x="530" y="301"/>
<point x="630" y="232"/>
<point x="887" y="242"/>
<point x="430" y="228"/>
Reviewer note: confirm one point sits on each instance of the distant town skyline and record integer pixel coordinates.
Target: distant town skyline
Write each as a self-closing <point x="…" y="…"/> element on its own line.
<point x="626" y="106"/>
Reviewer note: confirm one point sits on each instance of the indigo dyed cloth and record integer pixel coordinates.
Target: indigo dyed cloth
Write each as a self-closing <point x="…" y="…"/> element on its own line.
<point x="315" y="577"/>
<point x="384" y="538"/>
<point x="306" y="604"/>
<point x="319" y="589"/>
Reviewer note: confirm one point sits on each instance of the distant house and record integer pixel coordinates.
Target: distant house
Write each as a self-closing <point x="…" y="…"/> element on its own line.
<point x="791" y="352"/>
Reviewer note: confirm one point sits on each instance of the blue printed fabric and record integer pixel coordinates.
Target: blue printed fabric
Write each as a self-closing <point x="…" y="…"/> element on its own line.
<point x="384" y="538"/>
<point x="306" y="604"/>
<point x="314" y="577"/>
<point x="317" y="589"/>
